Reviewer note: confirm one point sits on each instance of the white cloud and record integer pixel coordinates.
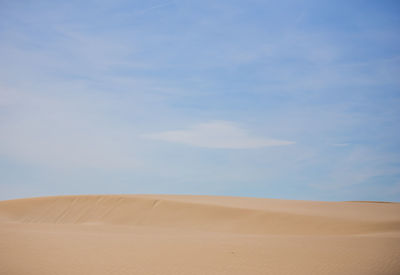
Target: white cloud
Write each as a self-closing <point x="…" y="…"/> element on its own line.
<point x="217" y="134"/>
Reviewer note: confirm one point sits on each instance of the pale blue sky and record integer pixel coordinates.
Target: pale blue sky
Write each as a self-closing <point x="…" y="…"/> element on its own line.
<point x="296" y="100"/>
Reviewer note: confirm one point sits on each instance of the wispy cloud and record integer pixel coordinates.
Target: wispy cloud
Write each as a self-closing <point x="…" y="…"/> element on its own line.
<point x="217" y="134"/>
<point x="159" y="6"/>
<point x="340" y="144"/>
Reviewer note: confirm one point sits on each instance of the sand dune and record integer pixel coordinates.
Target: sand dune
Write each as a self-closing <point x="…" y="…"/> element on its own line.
<point x="166" y="234"/>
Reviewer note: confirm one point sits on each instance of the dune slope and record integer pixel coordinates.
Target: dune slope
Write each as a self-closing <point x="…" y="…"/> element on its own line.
<point x="166" y="234"/>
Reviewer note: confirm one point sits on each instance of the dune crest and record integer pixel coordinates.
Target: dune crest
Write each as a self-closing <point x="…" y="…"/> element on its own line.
<point x="198" y="213"/>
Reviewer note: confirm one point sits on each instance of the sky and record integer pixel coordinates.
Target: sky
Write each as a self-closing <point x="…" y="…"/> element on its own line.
<point x="274" y="99"/>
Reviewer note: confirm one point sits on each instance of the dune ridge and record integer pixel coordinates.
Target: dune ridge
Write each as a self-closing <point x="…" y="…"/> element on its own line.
<point x="182" y="234"/>
<point x="197" y="214"/>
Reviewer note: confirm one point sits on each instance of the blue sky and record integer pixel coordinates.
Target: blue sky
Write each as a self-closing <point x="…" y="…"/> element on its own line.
<point x="296" y="99"/>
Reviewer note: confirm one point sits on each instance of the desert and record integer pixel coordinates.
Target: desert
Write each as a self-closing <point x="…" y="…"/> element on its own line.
<point x="183" y="234"/>
<point x="172" y="137"/>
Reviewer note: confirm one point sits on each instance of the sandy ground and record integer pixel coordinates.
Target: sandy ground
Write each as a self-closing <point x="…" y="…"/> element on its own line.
<point x="165" y="234"/>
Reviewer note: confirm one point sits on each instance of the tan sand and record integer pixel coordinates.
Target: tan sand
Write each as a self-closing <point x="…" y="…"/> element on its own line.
<point x="165" y="234"/>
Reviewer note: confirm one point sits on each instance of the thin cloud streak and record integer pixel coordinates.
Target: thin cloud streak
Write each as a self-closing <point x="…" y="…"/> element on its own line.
<point x="217" y="134"/>
<point x="159" y="6"/>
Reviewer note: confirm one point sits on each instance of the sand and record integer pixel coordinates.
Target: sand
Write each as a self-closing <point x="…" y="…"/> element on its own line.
<point x="167" y="234"/>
